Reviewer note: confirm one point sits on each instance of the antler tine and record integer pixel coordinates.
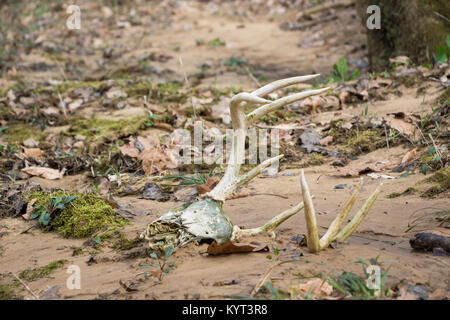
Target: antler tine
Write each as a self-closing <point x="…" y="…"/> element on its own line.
<point x="220" y="194"/>
<point x="359" y="216"/>
<point x="268" y="88"/>
<point x="312" y="235"/>
<point x="340" y="218"/>
<point x="265" y="109"/>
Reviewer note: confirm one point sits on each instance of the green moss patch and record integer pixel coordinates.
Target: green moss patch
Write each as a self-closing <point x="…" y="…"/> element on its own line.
<point x="440" y="181"/>
<point x="9" y="287"/>
<point x="41" y="272"/>
<point x="314" y="159"/>
<point x="394" y="195"/>
<point x="126" y="244"/>
<point x="444" y="97"/>
<point x="359" y="140"/>
<point x="99" y="131"/>
<point x="161" y="92"/>
<point x="366" y="141"/>
<point x="86" y="215"/>
<point x="16" y="133"/>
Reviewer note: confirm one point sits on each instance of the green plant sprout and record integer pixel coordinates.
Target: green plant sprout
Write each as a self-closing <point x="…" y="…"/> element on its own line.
<point x="55" y="204"/>
<point x="356" y="286"/>
<point x="339" y="73"/>
<point x="163" y="265"/>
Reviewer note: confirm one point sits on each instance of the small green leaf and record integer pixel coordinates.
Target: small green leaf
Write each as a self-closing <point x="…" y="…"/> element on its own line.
<point x="437" y="158"/>
<point x="424" y="169"/>
<point x="69" y="199"/>
<point x="98" y="240"/>
<point x="168" y="252"/>
<point x="60" y="206"/>
<point x="405" y="175"/>
<point x="36" y="212"/>
<point x="448" y="41"/>
<point x="441" y="54"/>
<point x="45" y="218"/>
<point x="431" y="150"/>
<point x="353" y="75"/>
<point x="158" y="266"/>
<point x="153" y="255"/>
<point x="274" y="292"/>
<point x="342" y="68"/>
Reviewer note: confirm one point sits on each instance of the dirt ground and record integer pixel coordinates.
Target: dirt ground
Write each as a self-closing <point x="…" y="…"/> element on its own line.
<point x="145" y="41"/>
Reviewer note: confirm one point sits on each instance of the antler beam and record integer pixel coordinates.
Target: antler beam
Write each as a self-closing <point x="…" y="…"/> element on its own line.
<point x="241" y="122"/>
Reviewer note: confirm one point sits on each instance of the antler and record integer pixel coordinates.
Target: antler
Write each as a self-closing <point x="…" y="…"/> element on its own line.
<point x="241" y="121"/>
<point x="205" y="219"/>
<point x="312" y="236"/>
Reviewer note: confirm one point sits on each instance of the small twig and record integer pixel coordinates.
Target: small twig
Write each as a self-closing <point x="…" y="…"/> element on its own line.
<point x="28" y="229"/>
<point x="436" y="149"/>
<point x="26" y="287"/>
<point x="251" y="194"/>
<point x="188" y="86"/>
<point x="7" y="176"/>
<point x="387" y="137"/>
<point x="421" y="133"/>
<point x="266" y="275"/>
<point x="441" y="16"/>
<point x="252" y="76"/>
<point x="269" y="194"/>
<point x="62" y="104"/>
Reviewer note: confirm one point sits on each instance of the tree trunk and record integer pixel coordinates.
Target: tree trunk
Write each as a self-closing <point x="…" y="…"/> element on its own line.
<point x="408" y="28"/>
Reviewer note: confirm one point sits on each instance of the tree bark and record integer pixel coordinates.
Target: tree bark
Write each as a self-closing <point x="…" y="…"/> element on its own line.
<point x="408" y="28"/>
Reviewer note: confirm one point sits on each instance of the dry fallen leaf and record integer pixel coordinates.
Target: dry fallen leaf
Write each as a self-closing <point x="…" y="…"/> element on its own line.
<point x="128" y="286"/>
<point x="317" y="287"/>
<point x="400" y="60"/>
<point x="355" y="171"/>
<point x="400" y="125"/>
<point x="343" y="96"/>
<point x="46" y="173"/>
<point x="103" y="185"/>
<point x="230" y="247"/>
<point x="129" y="150"/>
<point x="51" y="111"/>
<point x="326" y="141"/>
<point x="148" y="150"/>
<point x="33" y="153"/>
<point x="408" y="157"/>
<point x="208" y="186"/>
<point x="30" y="209"/>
